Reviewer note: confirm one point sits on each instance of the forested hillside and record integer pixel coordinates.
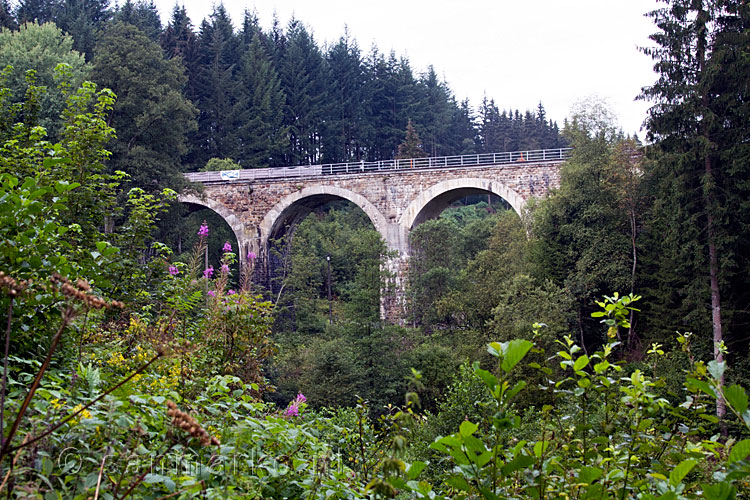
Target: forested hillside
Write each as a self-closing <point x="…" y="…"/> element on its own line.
<point x="262" y="98"/>
<point x="593" y="346"/>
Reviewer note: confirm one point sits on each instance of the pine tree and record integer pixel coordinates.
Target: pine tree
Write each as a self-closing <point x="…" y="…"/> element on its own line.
<point x="250" y="28"/>
<point x="346" y="132"/>
<point x="142" y="14"/>
<point x="393" y="90"/>
<point x="261" y="134"/>
<point x="217" y="90"/>
<point x="490" y="135"/>
<point x="82" y="19"/>
<point x="435" y="108"/>
<point x="412" y="146"/>
<point x="462" y="130"/>
<point x="178" y="39"/>
<point x="697" y="180"/>
<point x="7" y="19"/>
<point x="302" y="75"/>
<point x="39" y="11"/>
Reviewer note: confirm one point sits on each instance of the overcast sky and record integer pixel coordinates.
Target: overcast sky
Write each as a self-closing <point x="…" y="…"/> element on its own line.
<point x="516" y="52"/>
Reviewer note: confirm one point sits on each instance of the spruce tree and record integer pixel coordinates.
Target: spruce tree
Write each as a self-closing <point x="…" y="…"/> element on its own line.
<point x="412" y="146"/>
<point x="82" y="19"/>
<point x="261" y="134"/>
<point x="346" y="127"/>
<point x="142" y="14"/>
<point x="392" y="88"/>
<point x="217" y="90"/>
<point x="698" y="182"/>
<point x="435" y="108"/>
<point x="7" y="19"/>
<point x="39" y="11"/>
<point x="302" y="74"/>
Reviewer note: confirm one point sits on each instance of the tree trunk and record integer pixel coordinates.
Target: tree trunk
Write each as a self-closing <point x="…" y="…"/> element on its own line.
<point x="702" y="21"/>
<point x="713" y="266"/>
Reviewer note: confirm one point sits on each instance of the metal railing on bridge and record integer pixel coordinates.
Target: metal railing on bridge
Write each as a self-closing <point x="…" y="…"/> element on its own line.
<point x="383" y="166"/>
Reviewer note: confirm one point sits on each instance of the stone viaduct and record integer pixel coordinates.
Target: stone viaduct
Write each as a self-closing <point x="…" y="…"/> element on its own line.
<point x="261" y="205"/>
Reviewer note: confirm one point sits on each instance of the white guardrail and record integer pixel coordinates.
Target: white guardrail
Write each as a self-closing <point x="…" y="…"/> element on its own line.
<point x="384" y="166"/>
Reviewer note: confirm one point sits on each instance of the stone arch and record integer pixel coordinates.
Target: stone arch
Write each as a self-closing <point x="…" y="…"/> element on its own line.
<point x="298" y="204"/>
<point x="432" y="201"/>
<point x="233" y="221"/>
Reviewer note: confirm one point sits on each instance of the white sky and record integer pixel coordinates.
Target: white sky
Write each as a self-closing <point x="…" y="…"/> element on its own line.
<point x="517" y="52"/>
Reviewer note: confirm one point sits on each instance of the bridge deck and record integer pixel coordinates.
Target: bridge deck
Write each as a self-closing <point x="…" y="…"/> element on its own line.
<point x="384" y="166"/>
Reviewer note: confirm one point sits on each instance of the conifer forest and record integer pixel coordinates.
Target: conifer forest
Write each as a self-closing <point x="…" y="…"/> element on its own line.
<point x="594" y="346"/>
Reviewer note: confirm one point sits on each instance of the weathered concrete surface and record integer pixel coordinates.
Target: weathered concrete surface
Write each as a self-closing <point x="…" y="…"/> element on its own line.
<point x="395" y="202"/>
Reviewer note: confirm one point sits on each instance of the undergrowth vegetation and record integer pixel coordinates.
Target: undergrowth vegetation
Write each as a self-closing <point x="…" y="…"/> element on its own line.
<point x="130" y="371"/>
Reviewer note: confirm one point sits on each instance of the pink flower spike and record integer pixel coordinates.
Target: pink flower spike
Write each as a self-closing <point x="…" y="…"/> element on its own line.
<point x="251" y="255"/>
<point x="212" y="293"/>
<point x="208" y="272"/>
<point x="231" y="292"/>
<point x="203" y="231"/>
<point x="224" y="268"/>
<point x="173" y="270"/>
<point x="292" y="411"/>
<point x="301" y="398"/>
<point x="227" y="247"/>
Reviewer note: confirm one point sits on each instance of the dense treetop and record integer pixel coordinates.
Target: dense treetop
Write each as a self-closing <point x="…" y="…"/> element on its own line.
<point x="265" y="98"/>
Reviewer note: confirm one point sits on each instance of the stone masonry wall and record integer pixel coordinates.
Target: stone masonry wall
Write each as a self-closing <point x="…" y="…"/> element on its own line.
<point x="245" y="204"/>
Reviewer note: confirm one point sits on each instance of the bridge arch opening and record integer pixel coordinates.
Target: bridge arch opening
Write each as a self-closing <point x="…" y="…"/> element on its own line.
<point x="322" y="256"/>
<point x="450" y="226"/>
<point x="297" y="205"/>
<point x="180" y="226"/>
<point x="433" y="201"/>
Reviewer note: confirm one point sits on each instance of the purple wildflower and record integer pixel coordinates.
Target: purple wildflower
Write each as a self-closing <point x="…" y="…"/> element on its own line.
<point x="292" y="411"/>
<point x="227" y="247"/>
<point x="251" y="255"/>
<point x="231" y="292"/>
<point x="173" y="271"/>
<point x="208" y="272"/>
<point x="300" y="398"/>
<point x="203" y="231"/>
<point x="224" y="268"/>
<point x="212" y="293"/>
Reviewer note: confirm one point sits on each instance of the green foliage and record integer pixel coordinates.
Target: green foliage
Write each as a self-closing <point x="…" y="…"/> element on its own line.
<point x="356" y="252"/>
<point x="41" y="48"/>
<point x="215" y="164"/>
<point x="151" y="116"/>
<point x="587" y="234"/>
<point x="261" y="131"/>
<point x="50" y="215"/>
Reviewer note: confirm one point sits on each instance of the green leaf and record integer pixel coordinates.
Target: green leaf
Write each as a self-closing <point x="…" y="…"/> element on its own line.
<point x="489" y="379"/>
<point x="459" y="483"/>
<point x="737" y="397"/>
<point x="682" y="470"/>
<point x="467" y="428"/>
<point x="488" y="494"/>
<point x="581" y="363"/>
<point x="718" y="491"/>
<point x="519" y="462"/>
<point x="588" y="475"/>
<point x="740" y="451"/>
<point x="700" y="385"/>
<point x="540" y="447"/>
<point x="514" y="351"/>
<point x="716" y="369"/>
<point x="415" y="469"/>
<point x="515" y="390"/>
